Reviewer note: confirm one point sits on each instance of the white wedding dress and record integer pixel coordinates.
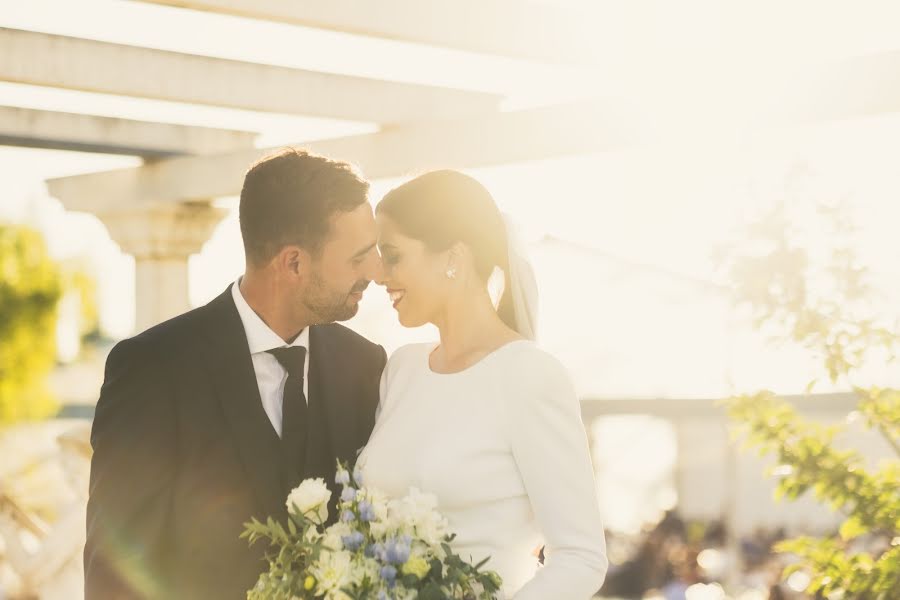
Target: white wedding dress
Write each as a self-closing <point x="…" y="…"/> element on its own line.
<point x="502" y="446"/>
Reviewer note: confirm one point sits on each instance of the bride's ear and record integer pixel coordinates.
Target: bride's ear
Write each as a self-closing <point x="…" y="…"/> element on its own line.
<point x="457" y="256"/>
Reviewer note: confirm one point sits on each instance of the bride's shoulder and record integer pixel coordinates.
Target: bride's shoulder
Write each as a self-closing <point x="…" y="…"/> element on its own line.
<point x="527" y="352"/>
<point x="535" y="367"/>
<point x="408" y="356"/>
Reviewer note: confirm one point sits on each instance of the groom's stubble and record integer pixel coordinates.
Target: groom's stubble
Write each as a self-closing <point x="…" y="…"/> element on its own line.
<point x="327" y="305"/>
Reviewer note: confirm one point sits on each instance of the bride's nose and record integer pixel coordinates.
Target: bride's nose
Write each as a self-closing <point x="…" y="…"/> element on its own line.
<point x="377" y="274"/>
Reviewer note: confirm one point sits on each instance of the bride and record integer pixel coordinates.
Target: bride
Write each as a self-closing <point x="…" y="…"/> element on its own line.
<point x="484" y="420"/>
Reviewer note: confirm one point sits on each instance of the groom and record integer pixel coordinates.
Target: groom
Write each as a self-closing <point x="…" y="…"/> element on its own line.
<point x="210" y="418"/>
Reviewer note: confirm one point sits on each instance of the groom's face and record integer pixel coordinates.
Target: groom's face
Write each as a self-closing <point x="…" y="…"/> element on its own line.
<point x="345" y="265"/>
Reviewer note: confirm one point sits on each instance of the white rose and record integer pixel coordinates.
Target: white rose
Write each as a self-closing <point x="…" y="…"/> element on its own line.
<point x="312" y="495"/>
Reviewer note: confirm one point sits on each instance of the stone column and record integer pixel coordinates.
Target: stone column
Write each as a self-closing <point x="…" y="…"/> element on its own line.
<point x="162" y="237"/>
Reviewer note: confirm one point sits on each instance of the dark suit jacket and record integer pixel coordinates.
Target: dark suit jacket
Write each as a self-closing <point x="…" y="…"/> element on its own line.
<point x="184" y="453"/>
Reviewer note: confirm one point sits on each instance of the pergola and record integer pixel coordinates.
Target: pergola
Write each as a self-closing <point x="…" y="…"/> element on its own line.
<point x="161" y="212"/>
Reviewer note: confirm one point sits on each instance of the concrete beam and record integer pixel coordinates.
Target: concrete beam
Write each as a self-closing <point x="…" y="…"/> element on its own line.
<point x="860" y="87"/>
<point x="87" y="133"/>
<point x="490" y="140"/>
<point x="92" y="66"/>
<point x="511" y="28"/>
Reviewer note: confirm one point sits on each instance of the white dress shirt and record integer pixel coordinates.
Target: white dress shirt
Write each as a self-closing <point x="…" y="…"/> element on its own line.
<point x="502" y="446"/>
<point x="270" y="375"/>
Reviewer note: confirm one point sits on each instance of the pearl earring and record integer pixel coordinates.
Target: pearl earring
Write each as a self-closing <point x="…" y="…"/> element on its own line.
<point x="451" y="273"/>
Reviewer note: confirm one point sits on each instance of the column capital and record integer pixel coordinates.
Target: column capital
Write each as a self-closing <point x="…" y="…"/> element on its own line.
<point x="162" y="231"/>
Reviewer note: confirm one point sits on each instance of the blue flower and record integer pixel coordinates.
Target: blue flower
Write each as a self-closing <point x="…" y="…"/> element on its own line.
<point x="403" y="550"/>
<point x="373" y="550"/>
<point x="357" y="476"/>
<point x="348" y="495"/>
<point x="396" y="551"/>
<point x="347" y="516"/>
<point x="366" y="511"/>
<point x="342" y="477"/>
<point x="388" y="573"/>
<point x="380" y="554"/>
<point x="353" y="541"/>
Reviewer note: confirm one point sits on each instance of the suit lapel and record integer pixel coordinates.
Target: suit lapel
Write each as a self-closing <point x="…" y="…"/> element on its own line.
<point x="258" y="443"/>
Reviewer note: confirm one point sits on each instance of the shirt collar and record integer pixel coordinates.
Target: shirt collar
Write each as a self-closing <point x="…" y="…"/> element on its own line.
<point x="260" y="337"/>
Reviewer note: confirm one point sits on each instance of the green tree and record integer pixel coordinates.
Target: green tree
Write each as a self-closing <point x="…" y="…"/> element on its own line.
<point x="820" y="298"/>
<point x="30" y="287"/>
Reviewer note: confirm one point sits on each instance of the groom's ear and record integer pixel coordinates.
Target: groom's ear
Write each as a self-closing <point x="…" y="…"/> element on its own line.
<point x="293" y="261"/>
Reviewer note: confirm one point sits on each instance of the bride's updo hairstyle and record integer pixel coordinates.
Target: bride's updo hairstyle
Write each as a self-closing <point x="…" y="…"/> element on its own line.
<point x="442" y="208"/>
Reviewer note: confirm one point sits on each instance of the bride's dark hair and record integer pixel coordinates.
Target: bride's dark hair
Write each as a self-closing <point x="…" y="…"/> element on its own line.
<point x="442" y="208"/>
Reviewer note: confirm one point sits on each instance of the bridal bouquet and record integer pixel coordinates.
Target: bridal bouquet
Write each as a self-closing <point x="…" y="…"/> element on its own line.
<point x="380" y="549"/>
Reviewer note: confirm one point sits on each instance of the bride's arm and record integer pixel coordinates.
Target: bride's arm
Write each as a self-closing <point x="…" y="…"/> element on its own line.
<point x="550" y="447"/>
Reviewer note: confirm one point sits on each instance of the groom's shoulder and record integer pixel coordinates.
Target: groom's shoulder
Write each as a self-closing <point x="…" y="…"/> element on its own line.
<point x="185" y="324"/>
<point x="170" y="335"/>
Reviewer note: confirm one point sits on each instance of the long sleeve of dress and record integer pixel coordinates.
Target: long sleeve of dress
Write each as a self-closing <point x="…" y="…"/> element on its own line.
<point x="550" y="447"/>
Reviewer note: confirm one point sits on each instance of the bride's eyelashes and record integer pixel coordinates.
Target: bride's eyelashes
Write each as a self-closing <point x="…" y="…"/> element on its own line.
<point x="390" y="258"/>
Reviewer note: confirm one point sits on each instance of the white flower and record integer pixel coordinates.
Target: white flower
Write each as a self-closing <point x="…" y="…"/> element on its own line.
<point x="333" y="571"/>
<point x="417" y="515"/>
<point x="368" y="567"/>
<point x="378" y="500"/>
<point x="382" y="526"/>
<point x="312" y="495"/>
<point x="432" y="530"/>
<point x="380" y="530"/>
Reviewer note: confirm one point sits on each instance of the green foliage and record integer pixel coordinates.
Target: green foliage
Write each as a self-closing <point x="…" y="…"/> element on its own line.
<point x="30" y="287"/>
<point x="824" y="304"/>
<point x="77" y="281"/>
<point x="287" y="555"/>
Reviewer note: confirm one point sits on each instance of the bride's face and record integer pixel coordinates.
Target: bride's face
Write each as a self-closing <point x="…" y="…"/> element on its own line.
<point x="414" y="277"/>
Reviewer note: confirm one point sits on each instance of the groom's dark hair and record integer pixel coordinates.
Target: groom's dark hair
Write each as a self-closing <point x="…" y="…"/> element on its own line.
<point x="288" y="198"/>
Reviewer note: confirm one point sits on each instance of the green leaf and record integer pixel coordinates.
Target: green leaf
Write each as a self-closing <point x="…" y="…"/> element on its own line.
<point x="852" y="528"/>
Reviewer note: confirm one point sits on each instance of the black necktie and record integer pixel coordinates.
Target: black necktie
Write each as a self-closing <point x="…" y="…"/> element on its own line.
<point x="293" y="411"/>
